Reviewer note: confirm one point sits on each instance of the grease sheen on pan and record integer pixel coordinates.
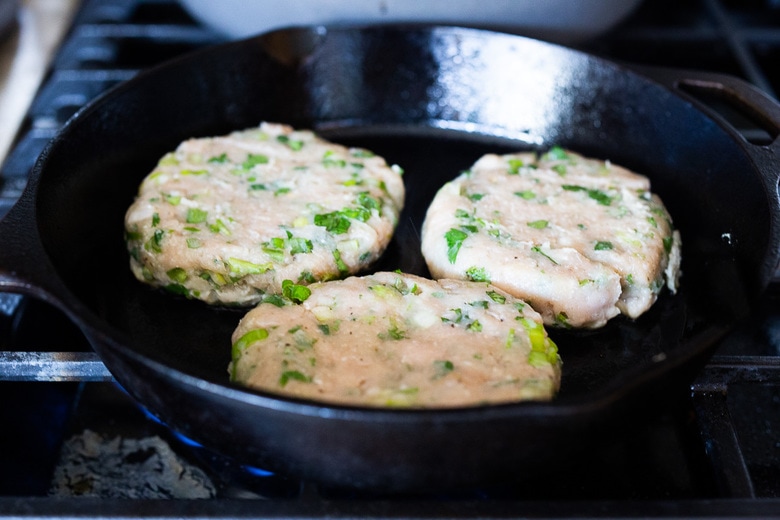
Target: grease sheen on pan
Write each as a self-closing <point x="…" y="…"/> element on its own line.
<point x="392" y="339"/>
<point x="226" y="219"/>
<point x="582" y="240"/>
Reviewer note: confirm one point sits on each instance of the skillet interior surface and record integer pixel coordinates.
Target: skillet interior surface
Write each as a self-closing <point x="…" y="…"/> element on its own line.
<point x="431" y="100"/>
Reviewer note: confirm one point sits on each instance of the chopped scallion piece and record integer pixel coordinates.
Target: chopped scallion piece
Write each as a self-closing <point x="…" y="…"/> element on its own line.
<point x="196" y="216"/>
<point x="177" y="274"/>
<point x="515" y="165"/>
<point x="294" y="292"/>
<point x="247" y="339"/>
<point x="239" y="267"/>
<point x="340" y="265"/>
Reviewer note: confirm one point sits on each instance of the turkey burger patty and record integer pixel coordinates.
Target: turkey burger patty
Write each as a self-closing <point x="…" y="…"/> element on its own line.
<point x="582" y="240"/>
<point x="392" y="339"/>
<point x="227" y="219"/>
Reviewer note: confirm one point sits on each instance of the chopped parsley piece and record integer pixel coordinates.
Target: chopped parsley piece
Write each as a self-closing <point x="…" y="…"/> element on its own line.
<point x="474" y="197"/>
<point x="307" y="277"/>
<point x="366" y="201"/>
<point x="652" y="222"/>
<point x="253" y="160"/>
<point x="538" y="224"/>
<point x="219" y="159"/>
<point x="668" y="244"/>
<point x="597" y="195"/>
<point x="603" y="245"/>
<point x="477" y="274"/>
<point x="274" y="299"/>
<point x="442" y="367"/>
<point x="402" y="287"/>
<point x="496" y="297"/>
<point x="133" y="235"/>
<point x="332" y="162"/>
<point x="454" y="238"/>
<point x="155" y="219"/>
<point x="562" y="319"/>
<point x="293" y="144"/>
<point x="457" y="319"/>
<point x="537" y="249"/>
<point x="334" y="222"/>
<point x="393" y="332"/>
<point x="293" y="375"/>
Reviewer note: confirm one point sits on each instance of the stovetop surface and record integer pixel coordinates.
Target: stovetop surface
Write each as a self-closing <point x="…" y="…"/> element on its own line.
<point x="80" y="446"/>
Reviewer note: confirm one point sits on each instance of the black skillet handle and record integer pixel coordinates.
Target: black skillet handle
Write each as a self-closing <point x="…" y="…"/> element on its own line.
<point x="738" y="95"/>
<point x="756" y="106"/>
<point x="24" y="266"/>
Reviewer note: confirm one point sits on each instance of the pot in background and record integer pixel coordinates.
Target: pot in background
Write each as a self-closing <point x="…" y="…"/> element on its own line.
<point x="560" y="21"/>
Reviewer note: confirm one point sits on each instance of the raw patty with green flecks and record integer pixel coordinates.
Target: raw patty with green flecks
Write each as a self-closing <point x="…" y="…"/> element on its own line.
<point x="582" y="240"/>
<point x="392" y="339"/>
<point x="226" y="219"/>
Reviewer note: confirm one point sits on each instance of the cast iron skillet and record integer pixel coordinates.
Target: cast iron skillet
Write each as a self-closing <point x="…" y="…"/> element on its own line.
<point x="431" y="99"/>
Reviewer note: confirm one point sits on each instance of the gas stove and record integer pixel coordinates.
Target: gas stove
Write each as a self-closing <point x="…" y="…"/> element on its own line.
<point x="76" y="445"/>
